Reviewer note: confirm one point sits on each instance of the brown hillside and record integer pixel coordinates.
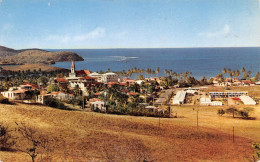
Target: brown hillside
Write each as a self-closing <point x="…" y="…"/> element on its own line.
<point x="81" y="136"/>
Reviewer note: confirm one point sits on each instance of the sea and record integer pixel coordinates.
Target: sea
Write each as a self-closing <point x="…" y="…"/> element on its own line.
<point x="201" y="62"/>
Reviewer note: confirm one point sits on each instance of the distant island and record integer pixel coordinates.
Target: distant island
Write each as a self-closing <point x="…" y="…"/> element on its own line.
<point x="10" y="56"/>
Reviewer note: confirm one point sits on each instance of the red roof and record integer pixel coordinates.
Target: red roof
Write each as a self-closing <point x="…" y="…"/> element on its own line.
<point x="247" y="81"/>
<point x="61" y="80"/>
<point x="97" y="94"/>
<point x="30" y="84"/>
<point x="131" y="93"/>
<point x="112" y="83"/>
<point x="83" y="72"/>
<point x="95" y="99"/>
<point x="123" y="84"/>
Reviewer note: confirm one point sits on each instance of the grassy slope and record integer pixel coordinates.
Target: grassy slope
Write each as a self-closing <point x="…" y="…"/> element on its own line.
<point x="32" y="67"/>
<point x="86" y="135"/>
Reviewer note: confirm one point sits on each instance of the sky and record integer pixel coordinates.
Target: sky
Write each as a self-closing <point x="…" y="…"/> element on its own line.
<point x="67" y="24"/>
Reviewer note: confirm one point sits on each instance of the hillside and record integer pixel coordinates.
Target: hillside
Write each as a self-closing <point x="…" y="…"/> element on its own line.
<point x="32" y="67"/>
<point x="35" y="56"/>
<point x="85" y="136"/>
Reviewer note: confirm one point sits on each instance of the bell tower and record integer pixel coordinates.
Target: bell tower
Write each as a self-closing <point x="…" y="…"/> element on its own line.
<point x="72" y="70"/>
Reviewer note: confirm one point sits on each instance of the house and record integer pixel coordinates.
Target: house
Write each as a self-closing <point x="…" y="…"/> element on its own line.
<point x="97" y="76"/>
<point x="61" y="81"/>
<point x="109" y="77"/>
<point x="154" y="109"/>
<point x="97" y="104"/>
<point x="43" y="99"/>
<point x="129" y="81"/>
<point x="29" y="86"/>
<point x="62" y="95"/>
<point x="179" y="98"/>
<point x="14" y="94"/>
<point x="139" y="82"/>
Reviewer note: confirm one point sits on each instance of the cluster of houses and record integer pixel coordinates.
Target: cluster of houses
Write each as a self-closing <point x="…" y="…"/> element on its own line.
<point x="233" y="82"/>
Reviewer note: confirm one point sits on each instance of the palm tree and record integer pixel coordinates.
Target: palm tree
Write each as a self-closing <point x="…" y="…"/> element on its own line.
<point x="158" y="71"/>
<point x="243" y="70"/>
<point x="249" y="73"/>
<point x="224" y="71"/>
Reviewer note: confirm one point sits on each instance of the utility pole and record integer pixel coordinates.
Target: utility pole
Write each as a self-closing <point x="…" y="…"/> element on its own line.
<point x="159" y="121"/>
<point x="197" y="119"/>
<point x="233" y="134"/>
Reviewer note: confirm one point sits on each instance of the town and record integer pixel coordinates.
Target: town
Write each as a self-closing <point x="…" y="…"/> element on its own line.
<point x="109" y="92"/>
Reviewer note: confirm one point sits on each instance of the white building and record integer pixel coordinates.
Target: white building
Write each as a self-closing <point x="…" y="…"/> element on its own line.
<point x="14" y="94"/>
<point x="98" y="104"/>
<point x="247" y="100"/>
<point x="139" y="82"/>
<point x="179" y="98"/>
<point x="97" y="76"/>
<point x="207" y="102"/>
<point x="110" y="77"/>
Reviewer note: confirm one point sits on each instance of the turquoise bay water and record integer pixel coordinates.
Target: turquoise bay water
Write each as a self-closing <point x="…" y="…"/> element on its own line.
<point x="200" y="61"/>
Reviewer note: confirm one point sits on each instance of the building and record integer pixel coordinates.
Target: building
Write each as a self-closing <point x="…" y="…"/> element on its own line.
<point x="62" y="95"/>
<point x="97" y="76"/>
<point x="205" y="101"/>
<point x="247" y="100"/>
<point x="109" y="77"/>
<point x="72" y="73"/>
<point x="179" y="98"/>
<point x="97" y="104"/>
<point x="81" y="82"/>
<point x="227" y="94"/>
<point x="15" y="94"/>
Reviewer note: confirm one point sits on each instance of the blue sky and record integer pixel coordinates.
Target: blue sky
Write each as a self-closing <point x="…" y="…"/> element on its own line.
<point x="129" y="23"/>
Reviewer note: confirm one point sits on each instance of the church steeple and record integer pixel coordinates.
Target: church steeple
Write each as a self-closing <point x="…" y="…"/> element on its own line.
<point x="72" y="70"/>
<point x="72" y="67"/>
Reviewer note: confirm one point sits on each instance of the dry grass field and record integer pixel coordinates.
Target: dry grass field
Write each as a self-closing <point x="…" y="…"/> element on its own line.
<point x="81" y="136"/>
<point x="32" y="67"/>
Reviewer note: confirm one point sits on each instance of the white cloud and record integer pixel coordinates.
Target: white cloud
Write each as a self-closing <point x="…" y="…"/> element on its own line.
<point x="1" y="1"/>
<point x="94" y="34"/>
<point x="49" y="3"/>
<point x="223" y="32"/>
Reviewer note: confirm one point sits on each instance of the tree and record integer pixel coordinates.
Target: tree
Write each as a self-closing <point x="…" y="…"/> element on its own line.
<point x="224" y="71"/>
<point x="257" y="76"/>
<point x="53" y="88"/>
<point x="43" y="80"/>
<point x="38" y="142"/>
<point x="232" y="111"/>
<point x="221" y="112"/>
<point x="158" y="71"/>
<point x="6" y="139"/>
